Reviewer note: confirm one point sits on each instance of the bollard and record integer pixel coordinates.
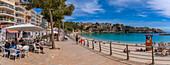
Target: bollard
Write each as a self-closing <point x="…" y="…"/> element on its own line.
<point x="127" y="52"/>
<point x="100" y="49"/>
<point x="87" y="43"/>
<point x="153" y="56"/>
<point x="84" y="42"/>
<point x="110" y="47"/>
<point x="93" y="44"/>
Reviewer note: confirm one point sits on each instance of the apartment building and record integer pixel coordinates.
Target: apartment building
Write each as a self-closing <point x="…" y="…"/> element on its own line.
<point x="12" y="13"/>
<point x="33" y="17"/>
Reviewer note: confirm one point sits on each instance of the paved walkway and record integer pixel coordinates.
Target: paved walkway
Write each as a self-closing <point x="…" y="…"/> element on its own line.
<point x="69" y="54"/>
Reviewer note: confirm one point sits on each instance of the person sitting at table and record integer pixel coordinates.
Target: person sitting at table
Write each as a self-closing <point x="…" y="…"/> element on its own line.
<point x="34" y="41"/>
<point x="21" y="40"/>
<point x="7" y="44"/>
<point x="13" y="46"/>
<point x="38" y="46"/>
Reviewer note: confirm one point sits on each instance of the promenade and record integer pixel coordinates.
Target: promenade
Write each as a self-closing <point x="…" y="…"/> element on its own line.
<point x="69" y="54"/>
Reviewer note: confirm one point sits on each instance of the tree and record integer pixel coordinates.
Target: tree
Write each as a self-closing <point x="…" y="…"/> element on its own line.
<point x="64" y="10"/>
<point x="49" y="6"/>
<point x="81" y="28"/>
<point x="97" y="23"/>
<point x="59" y="14"/>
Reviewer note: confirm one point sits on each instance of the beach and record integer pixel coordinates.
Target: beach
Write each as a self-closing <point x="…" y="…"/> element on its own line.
<point x="117" y="51"/>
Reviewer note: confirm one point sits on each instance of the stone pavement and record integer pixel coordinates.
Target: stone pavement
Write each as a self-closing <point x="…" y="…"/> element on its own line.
<point x="69" y="54"/>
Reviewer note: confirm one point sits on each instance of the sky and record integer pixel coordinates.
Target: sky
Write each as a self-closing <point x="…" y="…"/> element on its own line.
<point x="137" y="13"/>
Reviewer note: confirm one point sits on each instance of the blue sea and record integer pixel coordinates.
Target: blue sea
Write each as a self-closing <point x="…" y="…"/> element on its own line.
<point x="135" y="38"/>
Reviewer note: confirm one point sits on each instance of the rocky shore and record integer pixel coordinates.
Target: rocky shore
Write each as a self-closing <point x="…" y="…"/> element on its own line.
<point x="114" y="28"/>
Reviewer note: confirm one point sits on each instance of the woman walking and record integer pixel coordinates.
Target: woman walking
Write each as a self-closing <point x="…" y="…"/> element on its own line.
<point x="77" y="38"/>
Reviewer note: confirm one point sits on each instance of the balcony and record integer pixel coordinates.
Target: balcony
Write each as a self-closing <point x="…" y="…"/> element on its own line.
<point x="8" y="6"/>
<point x="33" y="18"/>
<point x="19" y="6"/>
<point x="19" y="10"/>
<point x="33" y="12"/>
<point x="20" y="22"/>
<point x="20" y="17"/>
<point x="7" y="13"/>
<point x="5" y="20"/>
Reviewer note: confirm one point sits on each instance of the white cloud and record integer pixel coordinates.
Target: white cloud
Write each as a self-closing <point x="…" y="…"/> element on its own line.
<point x="92" y="7"/>
<point x="123" y="3"/>
<point x="164" y="20"/>
<point x="161" y="6"/>
<point x="142" y="15"/>
<point x="88" y="6"/>
<point x="68" y="17"/>
<point x="119" y="10"/>
<point x="162" y="27"/>
<point x="99" y="21"/>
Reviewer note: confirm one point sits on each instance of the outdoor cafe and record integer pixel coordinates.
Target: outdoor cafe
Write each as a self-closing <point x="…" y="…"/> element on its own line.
<point x="19" y="47"/>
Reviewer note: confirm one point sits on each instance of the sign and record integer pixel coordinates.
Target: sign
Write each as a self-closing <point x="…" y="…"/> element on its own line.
<point x="148" y="42"/>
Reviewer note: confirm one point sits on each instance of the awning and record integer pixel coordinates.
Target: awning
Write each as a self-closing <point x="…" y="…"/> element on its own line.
<point x="10" y="31"/>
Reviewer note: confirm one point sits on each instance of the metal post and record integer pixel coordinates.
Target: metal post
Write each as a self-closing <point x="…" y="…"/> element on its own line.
<point x="152" y="56"/>
<point x="127" y="52"/>
<point x="93" y="44"/>
<point x="84" y="42"/>
<point x="110" y="47"/>
<point x="100" y="49"/>
<point x="87" y="43"/>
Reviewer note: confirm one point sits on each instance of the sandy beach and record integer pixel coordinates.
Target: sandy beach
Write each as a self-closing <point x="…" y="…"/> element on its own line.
<point x="117" y="51"/>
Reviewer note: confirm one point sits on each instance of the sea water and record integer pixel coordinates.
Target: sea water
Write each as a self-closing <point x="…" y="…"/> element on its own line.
<point x="134" y="38"/>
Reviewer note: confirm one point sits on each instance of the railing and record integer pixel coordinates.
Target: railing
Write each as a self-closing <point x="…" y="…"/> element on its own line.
<point x="5" y="19"/>
<point x="6" y="12"/>
<point x="33" y="13"/>
<point x="20" y="22"/>
<point x="7" y="6"/>
<point x="20" y="10"/>
<point x="20" y="6"/>
<point x="33" y="22"/>
<point x="116" y="49"/>
<point x="20" y="16"/>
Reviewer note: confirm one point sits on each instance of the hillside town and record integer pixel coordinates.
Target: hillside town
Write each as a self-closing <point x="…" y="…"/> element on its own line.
<point x="114" y="28"/>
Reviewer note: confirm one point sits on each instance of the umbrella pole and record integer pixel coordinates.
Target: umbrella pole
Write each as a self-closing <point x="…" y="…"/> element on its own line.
<point x="27" y="37"/>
